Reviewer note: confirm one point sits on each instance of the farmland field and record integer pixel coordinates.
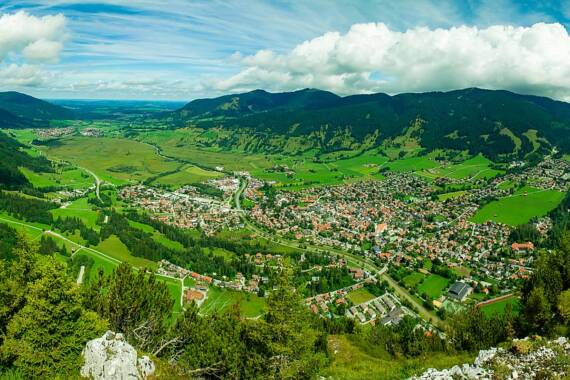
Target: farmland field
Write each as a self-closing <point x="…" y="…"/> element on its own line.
<point x="519" y="208"/>
<point x="433" y="286"/>
<point x="454" y="194"/>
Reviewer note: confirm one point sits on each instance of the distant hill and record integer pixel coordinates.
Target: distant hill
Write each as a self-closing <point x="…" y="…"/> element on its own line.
<point x="492" y="122"/>
<point x="28" y="107"/>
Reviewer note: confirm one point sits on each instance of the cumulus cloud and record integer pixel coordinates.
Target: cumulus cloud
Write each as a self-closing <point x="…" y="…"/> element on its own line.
<point x="372" y="57"/>
<point x="38" y="39"/>
<point x="22" y="75"/>
<point x="27" y="42"/>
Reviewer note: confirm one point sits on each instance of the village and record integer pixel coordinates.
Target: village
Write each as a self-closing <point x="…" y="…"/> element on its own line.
<point x="398" y="223"/>
<point x="185" y="207"/>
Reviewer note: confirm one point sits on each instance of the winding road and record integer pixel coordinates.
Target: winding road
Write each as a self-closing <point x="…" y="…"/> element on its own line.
<point x="98" y="183"/>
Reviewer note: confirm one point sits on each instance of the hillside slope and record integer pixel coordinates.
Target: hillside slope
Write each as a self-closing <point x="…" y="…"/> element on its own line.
<point x="28" y="107"/>
<point x="491" y="122"/>
<point x="12" y="158"/>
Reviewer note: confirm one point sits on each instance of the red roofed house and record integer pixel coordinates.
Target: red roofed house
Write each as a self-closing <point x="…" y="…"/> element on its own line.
<point x="528" y="246"/>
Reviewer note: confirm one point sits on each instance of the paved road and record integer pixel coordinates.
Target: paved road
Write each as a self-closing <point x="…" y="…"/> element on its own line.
<point x="97" y="183"/>
<point x="81" y="274"/>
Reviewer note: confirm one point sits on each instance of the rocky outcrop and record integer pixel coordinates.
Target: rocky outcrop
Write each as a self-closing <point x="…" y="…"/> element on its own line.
<point x="111" y="357"/>
<point x="526" y="359"/>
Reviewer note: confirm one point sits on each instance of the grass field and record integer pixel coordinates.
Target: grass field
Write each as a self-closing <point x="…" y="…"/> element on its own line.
<point x="116" y="249"/>
<point x="99" y="262"/>
<point x="354" y="360"/>
<point x="412" y="164"/>
<point x="433" y="286"/>
<point x="81" y="209"/>
<point x="413" y="279"/>
<point x="454" y="194"/>
<point x="218" y="300"/>
<point x="473" y="168"/>
<point x="157" y="236"/>
<point x="462" y="271"/>
<point x="499" y="307"/>
<point x="73" y="179"/>
<point x="187" y="175"/>
<point x="181" y="144"/>
<point x="360" y="296"/>
<point x="519" y="208"/>
<point x="115" y="160"/>
<point x="30" y="233"/>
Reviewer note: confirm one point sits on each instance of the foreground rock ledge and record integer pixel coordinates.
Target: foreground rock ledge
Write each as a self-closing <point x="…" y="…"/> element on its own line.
<point x="111" y="357"/>
<point x="526" y="359"/>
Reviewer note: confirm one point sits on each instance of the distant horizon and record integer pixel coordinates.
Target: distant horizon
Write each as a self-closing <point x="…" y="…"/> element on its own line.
<point x="181" y="100"/>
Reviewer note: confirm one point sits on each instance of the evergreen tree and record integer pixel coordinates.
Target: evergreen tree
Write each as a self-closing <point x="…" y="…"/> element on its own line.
<point x="44" y="324"/>
<point x="134" y="303"/>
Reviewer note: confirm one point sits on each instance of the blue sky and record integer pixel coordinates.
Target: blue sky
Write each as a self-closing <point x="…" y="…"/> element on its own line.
<point x="177" y="49"/>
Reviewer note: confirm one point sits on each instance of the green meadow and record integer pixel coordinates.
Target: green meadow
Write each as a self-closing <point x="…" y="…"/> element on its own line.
<point x="413" y="279"/>
<point x="219" y="300"/>
<point x="114" y="160"/>
<point x="79" y="208"/>
<point x="354" y="359"/>
<point x="433" y="285"/>
<point x="500" y="306"/>
<point x="473" y="168"/>
<point x="115" y="248"/>
<point x="359" y="296"/>
<point x="71" y="179"/>
<point x="187" y="175"/>
<point x="520" y="207"/>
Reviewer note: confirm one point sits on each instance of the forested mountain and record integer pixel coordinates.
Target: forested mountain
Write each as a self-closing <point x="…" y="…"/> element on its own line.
<point x="25" y="109"/>
<point x="488" y="121"/>
<point x="9" y="120"/>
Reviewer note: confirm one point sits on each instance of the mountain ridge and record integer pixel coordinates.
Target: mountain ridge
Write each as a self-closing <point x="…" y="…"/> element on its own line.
<point x="493" y="122"/>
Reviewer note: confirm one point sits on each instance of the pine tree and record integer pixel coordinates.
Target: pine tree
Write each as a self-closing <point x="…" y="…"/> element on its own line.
<point x="46" y="326"/>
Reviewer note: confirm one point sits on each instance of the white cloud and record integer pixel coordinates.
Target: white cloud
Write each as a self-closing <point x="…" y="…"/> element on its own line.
<point x="26" y="42"/>
<point x="43" y="51"/>
<point x="371" y="57"/>
<point x="21" y="76"/>
<point x="36" y="38"/>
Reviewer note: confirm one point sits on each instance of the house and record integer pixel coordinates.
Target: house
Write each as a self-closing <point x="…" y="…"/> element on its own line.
<point x="340" y="301"/>
<point x="357" y="274"/>
<point x="528" y="246"/>
<point x="459" y="291"/>
<point x="393" y="317"/>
